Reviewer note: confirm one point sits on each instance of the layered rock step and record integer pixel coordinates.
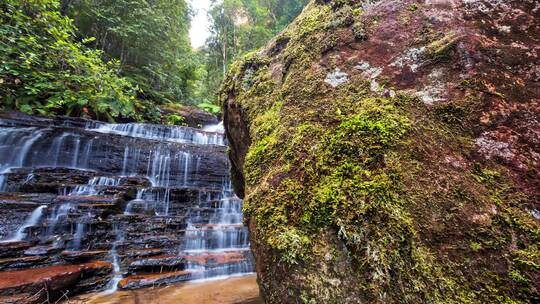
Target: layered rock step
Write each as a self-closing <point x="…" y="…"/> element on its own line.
<point x="156" y="279"/>
<point x="38" y="285"/>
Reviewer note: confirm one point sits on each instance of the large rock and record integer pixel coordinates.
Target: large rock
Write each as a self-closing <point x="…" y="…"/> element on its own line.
<point x="389" y="151"/>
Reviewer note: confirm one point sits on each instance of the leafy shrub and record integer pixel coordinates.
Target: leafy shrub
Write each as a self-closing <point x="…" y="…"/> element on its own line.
<point x="175" y="120"/>
<point x="44" y="70"/>
<point x="209" y="107"/>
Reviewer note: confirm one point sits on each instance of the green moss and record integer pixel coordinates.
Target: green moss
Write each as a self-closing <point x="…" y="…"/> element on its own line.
<point x="450" y="113"/>
<point x="476" y="246"/>
<point x="439" y="49"/>
<point x="413" y="7"/>
<point x="484" y="175"/>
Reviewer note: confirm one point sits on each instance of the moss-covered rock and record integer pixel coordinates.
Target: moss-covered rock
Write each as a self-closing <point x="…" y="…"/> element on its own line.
<point x="388" y="152"/>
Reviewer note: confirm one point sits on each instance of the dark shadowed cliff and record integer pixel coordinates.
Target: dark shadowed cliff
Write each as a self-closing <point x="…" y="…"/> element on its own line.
<point x="388" y="152"/>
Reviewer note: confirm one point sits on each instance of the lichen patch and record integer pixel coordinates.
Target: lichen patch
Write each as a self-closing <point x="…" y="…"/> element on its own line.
<point x="336" y="78"/>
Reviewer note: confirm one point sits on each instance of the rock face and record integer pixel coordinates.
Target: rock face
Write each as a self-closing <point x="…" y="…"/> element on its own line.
<point x="389" y="152"/>
<point x="91" y="206"/>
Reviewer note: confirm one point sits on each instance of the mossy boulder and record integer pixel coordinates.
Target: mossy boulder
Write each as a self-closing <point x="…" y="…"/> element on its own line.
<point x="389" y="152"/>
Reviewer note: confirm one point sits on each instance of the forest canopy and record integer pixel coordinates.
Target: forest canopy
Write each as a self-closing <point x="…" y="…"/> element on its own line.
<point x="238" y="27"/>
<point x="45" y="70"/>
<point x="124" y="59"/>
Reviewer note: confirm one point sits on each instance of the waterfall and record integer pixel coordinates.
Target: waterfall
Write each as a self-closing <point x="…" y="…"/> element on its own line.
<point x="117" y="271"/>
<point x="223" y="237"/>
<point x="78" y="236"/>
<point x="76" y="153"/>
<point x="217" y="128"/>
<point x="54" y="151"/>
<point x="160" y="169"/>
<point x="92" y="187"/>
<point x="31" y="147"/>
<point x="125" y="162"/>
<point x="15" y="145"/>
<point x="59" y="213"/>
<point x="181" y="205"/>
<point x="32" y="220"/>
<point x="3" y="182"/>
<point x="186" y="160"/>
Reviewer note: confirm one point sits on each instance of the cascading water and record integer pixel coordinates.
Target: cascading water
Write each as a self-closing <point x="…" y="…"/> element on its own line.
<point x="77" y="237"/>
<point x="92" y="187"/>
<point x="208" y="136"/>
<point x="59" y="214"/>
<point x="117" y="270"/>
<point x="222" y="238"/>
<point x="156" y="199"/>
<point x="32" y="220"/>
<point x="33" y="147"/>
<point x="3" y="181"/>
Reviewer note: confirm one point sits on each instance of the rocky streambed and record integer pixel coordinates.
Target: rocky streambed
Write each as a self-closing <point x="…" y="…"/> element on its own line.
<point x="93" y="207"/>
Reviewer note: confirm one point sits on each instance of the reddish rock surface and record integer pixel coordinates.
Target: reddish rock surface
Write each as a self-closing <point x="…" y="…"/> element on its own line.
<point x="36" y="285"/>
<point x="459" y="52"/>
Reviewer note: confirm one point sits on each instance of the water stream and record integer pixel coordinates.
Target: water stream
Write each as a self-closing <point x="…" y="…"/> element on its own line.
<point x="32" y="220"/>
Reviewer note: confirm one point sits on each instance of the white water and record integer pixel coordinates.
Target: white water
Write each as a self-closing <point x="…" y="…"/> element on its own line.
<point x="160" y="133"/>
<point x="79" y="234"/>
<point x="92" y="187"/>
<point x="223" y="234"/>
<point x="117" y="271"/>
<point x="59" y="213"/>
<point x="156" y="199"/>
<point x="217" y="128"/>
<point x="31" y="221"/>
<point x="28" y="147"/>
<point x="167" y="165"/>
<point x="29" y="178"/>
<point x="15" y="145"/>
<point x="3" y="182"/>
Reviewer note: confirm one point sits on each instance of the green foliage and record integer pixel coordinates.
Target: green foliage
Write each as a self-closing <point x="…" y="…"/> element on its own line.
<point x="44" y="70"/>
<point x="209" y="107"/>
<point x="175" y="120"/>
<point x="238" y="27"/>
<point x="148" y="38"/>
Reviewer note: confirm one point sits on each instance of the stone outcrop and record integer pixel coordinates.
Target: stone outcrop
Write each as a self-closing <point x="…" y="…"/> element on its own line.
<point x="192" y="116"/>
<point x="388" y="152"/>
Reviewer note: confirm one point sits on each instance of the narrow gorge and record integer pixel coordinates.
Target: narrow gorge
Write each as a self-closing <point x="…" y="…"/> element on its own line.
<point x="89" y="206"/>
